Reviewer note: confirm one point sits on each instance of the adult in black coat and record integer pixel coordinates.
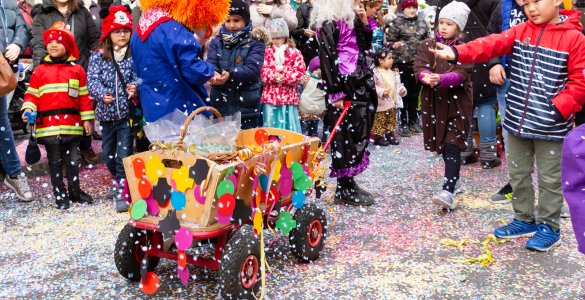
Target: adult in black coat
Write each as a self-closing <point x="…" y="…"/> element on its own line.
<point x="484" y="94"/>
<point x="305" y="35"/>
<point x="14" y="34"/>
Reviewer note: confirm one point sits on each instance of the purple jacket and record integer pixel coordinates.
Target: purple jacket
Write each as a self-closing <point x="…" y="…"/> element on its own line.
<point x="573" y="179"/>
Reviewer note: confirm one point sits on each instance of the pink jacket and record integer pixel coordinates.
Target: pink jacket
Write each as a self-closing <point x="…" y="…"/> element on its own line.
<point x="294" y="69"/>
<point x="386" y="103"/>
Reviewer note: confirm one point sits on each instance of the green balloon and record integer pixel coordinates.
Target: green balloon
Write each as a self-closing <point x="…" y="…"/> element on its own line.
<point x="303" y="183"/>
<point x="138" y="209"/>
<point x="297" y="170"/>
<point x="226" y="186"/>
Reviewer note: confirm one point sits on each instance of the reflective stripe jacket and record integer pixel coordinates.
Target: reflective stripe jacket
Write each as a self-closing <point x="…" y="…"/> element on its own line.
<point x="59" y="86"/>
<point x="547" y="82"/>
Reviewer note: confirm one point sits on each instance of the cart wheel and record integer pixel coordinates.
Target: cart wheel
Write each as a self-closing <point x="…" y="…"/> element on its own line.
<point x="129" y="254"/>
<point x="308" y="238"/>
<point x="239" y="271"/>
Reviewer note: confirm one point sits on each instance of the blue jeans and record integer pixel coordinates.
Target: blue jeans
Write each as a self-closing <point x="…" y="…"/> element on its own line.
<point x="486" y="120"/>
<point x="8" y="155"/>
<point x="117" y="141"/>
<point x="310" y="128"/>
<point x="501" y="91"/>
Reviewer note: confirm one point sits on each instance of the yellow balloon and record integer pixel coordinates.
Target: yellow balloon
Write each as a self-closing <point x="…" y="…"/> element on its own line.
<point x="154" y="169"/>
<point x="258" y="222"/>
<point x="277" y="168"/>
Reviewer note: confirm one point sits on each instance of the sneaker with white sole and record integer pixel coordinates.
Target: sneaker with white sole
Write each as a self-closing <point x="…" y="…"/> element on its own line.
<point x="516" y="229"/>
<point x="545" y="239"/>
<point x="444" y="199"/>
<point x="20" y="187"/>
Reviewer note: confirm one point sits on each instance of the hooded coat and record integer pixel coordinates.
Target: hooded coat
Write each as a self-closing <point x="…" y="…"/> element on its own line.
<point x="87" y="35"/>
<point x="547" y="81"/>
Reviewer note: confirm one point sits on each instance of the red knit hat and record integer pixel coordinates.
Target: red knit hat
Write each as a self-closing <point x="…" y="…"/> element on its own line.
<point x="59" y="32"/>
<point x="119" y="17"/>
<point x="408" y="3"/>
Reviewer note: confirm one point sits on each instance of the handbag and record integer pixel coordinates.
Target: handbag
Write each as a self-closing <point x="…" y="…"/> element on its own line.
<point x="312" y="98"/>
<point x="33" y="153"/>
<point x="7" y="78"/>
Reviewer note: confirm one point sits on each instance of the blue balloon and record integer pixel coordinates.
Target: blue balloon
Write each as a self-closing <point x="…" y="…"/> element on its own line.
<point x="298" y="199"/>
<point x="263" y="178"/>
<point x="178" y="200"/>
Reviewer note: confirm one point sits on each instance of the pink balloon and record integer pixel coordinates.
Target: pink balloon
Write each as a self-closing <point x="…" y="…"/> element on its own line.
<point x="198" y="195"/>
<point x="234" y="179"/>
<point x="285" y="181"/>
<point x="152" y="206"/>
<point x="183" y="239"/>
<point x="183" y="274"/>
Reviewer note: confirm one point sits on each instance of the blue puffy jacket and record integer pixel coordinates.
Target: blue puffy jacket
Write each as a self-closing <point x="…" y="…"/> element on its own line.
<point x="243" y="61"/>
<point x="169" y="72"/>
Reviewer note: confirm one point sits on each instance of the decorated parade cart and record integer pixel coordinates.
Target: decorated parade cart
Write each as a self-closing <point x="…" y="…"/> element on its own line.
<point x="180" y="198"/>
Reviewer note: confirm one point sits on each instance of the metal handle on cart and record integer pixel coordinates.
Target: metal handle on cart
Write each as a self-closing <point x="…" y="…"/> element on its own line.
<point x="191" y="116"/>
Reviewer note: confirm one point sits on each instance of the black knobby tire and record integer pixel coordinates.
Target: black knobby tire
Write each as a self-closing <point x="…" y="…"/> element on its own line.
<point x="242" y="252"/>
<point x="128" y="254"/>
<point x="307" y="239"/>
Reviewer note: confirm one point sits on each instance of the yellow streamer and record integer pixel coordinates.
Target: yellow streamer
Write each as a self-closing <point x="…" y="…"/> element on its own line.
<point x="486" y="258"/>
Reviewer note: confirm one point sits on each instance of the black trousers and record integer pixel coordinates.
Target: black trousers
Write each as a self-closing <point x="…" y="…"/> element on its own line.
<point x="452" y="159"/>
<point x="64" y="154"/>
<point x="409" y="113"/>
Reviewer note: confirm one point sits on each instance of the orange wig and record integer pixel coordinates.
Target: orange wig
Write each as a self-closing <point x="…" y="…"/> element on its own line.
<point x="194" y="14"/>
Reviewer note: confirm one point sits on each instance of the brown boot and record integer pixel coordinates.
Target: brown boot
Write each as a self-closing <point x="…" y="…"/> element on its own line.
<point x="391" y="138"/>
<point x="380" y="140"/>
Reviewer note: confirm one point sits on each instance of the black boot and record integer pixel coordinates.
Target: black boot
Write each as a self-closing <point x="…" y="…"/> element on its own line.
<point x="61" y="198"/>
<point x="80" y="196"/>
<point x="380" y="140"/>
<point x="350" y="193"/>
<point x="392" y="139"/>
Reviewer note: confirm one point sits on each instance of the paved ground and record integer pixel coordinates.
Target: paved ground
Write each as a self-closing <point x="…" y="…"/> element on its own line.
<point x="389" y="251"/>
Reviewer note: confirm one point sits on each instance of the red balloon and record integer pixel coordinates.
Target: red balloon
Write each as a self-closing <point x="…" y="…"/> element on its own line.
<point x="226" y="204"/>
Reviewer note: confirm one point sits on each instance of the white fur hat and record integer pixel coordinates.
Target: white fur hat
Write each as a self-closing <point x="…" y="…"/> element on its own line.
<point x="457" y="12"/>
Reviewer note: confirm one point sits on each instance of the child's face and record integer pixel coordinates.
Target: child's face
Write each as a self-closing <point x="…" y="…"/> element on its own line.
<point x="56" y="49"/>
<point x="372" y="11"/>
<point x="542" y="11"/>
<point x="411" y="11"/>
<point x="120" y="37"/>
<point x="448" y="29"/>
<point x="278" y="42"/>
<point x="234" y="23"/>
<point x="387" y="62"/>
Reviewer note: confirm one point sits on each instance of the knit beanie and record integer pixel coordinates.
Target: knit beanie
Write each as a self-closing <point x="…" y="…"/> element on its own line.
<point x="457" y="12"/>
<point x="59" y="32"/>
<point x="408" y="3"/>
<point x="314" y="64"/>
<point x="240" y="8"/>
<point x="278" y="28"/>
<point x="117" y="17"/>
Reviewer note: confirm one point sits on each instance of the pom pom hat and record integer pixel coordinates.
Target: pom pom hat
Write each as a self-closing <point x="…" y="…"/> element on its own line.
<point x="240" y="8"/>
<point x="408" y="3"/>
<point x="278" y="28"/>
<point x="59" y="32"/>
<point x="117" y="18"/>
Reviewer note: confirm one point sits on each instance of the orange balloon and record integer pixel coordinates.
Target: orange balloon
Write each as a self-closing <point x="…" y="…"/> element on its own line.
<point x="139" y="167"/>
<point x="151" y="285"/>
<point x="182" y="259"/>
<point x="261" y="136"/>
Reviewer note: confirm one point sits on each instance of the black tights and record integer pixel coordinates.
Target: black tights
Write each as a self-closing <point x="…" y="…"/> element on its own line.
<point x="452" y="159"/>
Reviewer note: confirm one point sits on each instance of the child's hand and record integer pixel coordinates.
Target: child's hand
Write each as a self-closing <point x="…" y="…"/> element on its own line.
<point x="24" y="117"/>
<point x="279" y="78"/>
<point x="131" y="89"/>
<point x="386" y="93"/>
<point x="339" y="104"/>
<point x="309" y="32"/>
<point x="434" y="79"/>
<point x="402" y="91"/>
<point x="88" y="126"/>
<point x="222" y="79"/>
<point x="497" y="74"/>
<point x="443" y="51"/>
<point x="108" y="98"/>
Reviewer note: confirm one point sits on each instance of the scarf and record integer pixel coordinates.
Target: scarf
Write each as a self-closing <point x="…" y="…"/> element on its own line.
<point x="279" y="56"/>
<point x="120" y="55"/>
<point x="442" y="40"/>
<point x="231" y="39"/>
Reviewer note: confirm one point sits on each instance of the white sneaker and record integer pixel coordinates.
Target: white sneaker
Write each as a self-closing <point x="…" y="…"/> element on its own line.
<point x="444" y="199"/>
<point x="20" y="187"/>
<point x="565" y="212"/>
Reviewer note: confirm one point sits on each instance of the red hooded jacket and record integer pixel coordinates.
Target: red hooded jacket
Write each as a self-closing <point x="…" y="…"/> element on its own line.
<point x="547" y="82"/>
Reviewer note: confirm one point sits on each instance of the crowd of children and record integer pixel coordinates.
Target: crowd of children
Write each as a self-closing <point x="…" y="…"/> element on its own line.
<point x="391" y="78"/>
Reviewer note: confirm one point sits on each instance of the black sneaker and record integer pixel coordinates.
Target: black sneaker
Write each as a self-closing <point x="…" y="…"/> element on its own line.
<point x="80" y="197"/>
<point x="503" y="196"/>
<point x="490" y="164"/>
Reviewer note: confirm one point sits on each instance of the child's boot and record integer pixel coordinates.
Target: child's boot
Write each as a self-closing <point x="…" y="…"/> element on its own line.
<point x="380" y="140"/>
<point x="488" y="154"/>
<point x="61" y="198"/>
<point x="468" y="156"/>
<point x="350" y="193"/>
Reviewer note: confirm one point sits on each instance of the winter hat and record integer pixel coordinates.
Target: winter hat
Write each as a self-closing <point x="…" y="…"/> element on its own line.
<point x="278" y="28"/>
<point x="408" y="3"/>
<point x="117" y="17"/>
<point x="59" y="32"/>
<point x="240" y="8"/>
<point x="314" y="64"/>
<point x="457" y="12"/>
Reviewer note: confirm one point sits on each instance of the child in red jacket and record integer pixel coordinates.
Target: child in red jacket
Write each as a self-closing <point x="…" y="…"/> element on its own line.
<point x="58" y="93"/>
<point x="547" y="88"/>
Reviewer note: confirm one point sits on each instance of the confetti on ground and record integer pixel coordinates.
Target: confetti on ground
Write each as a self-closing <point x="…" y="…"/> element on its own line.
<point x="388" y="251"/>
